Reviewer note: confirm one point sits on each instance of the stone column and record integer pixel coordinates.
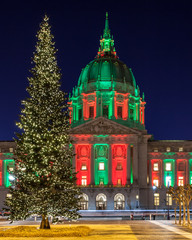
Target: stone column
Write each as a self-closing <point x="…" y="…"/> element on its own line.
<point x="92" y="166"/>
<point x="128" y="164"/>
<point x="110" y="165"/>
<point x="135" y="163"/>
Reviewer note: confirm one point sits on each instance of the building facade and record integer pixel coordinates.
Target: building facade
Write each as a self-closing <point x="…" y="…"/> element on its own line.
<point x="118" y="165"/>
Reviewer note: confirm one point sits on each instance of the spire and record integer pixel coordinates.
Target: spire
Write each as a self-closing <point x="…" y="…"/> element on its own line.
<point x="106" y="32"/>
<point x="106" y="43"/>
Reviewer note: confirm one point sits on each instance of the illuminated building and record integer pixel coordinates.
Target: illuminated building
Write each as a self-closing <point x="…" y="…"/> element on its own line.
<point x="116" y="161"/>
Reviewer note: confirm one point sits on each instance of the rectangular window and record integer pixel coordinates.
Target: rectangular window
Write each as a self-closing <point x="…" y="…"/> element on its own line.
<point x="105" y="111"/>
<point x="168" y="199"/>
<point x="119" y="112"/>
<point x="10" y="150"/>
<point x="155" y="150"/>
<point x="118" y="181"/>
<point x="101" y="166"/>
<point x="168" y="166"/>
<point x="156" y="199"/>
<point x="91" y="112"/>
<point x="131" y="113"/>
<point x="156" y="182"/>
<point x="180" y="181"/>
<point x="119" y="166"/>
<point x="155" y="167"/>
<point x="80" y="114"/>
<point x="168" y="149"/>
<point x="84" y="167"/>
<point x="168" y="181"/>
<point x="181" y="149"/>
<point x="84" y="181"/>
<point x="101" y="181"/>
<point x="181" y="166"/>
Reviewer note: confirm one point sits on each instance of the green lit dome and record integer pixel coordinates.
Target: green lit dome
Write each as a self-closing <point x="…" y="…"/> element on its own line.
<point x="107" y="68"/>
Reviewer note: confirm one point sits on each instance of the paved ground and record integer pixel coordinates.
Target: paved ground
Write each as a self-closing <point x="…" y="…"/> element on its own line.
<point x="129" y="230"/>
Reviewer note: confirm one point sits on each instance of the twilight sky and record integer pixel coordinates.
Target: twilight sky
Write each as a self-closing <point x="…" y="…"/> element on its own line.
<point x="152" y="37"/>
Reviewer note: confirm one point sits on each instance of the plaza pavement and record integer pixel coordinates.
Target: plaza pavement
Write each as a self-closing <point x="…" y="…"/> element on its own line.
<point x="122" y="229"/>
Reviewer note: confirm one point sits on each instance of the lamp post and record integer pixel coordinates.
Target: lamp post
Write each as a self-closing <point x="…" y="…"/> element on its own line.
<point x="168" y="217"/>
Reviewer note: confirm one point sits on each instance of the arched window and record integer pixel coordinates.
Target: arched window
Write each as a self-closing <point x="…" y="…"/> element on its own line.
<point x="119" y="201"/>
<point x="101" y="201"/>
<point x="83" y="202"/>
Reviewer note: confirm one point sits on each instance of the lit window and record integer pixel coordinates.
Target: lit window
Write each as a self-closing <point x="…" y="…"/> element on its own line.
<point x="10" y="169"/>
<point x="168" y="199"/>
<point x="101" y="181"/>
<point x="168" y="167"/>
<point x="91" y="112"/>
<point x="11" y="150"/>
<point x="168" y="149"/>
<point x="118" y="181"/>
<point x="168" y="181"/>
<point x="9" y="195"/>
<point x="156" y="199"/>
<point x="181" y="149"/>
<point x="84" y="167"/>
<point x="155" y="167"/>
<point x="119" y="166"/>
<point x="156" y="182"/>
<point x="180" y="181"/>
<point x="84" y="181"/>
<point x="101" y="166"/>
<point x="155" y="149"/>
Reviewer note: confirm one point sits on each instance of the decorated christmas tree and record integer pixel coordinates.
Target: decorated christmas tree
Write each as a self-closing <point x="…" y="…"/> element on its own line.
<point x="44" y="181"/>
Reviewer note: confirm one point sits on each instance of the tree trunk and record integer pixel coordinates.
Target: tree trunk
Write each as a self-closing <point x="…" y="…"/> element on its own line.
<point x="179" y="212"/>
<point x="45" y="223"/>
<point x="188" y="215"/>
<point x="184" y="214"/>
<point x="175" y="216"/>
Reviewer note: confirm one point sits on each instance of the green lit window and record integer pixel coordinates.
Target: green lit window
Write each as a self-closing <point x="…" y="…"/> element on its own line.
<point x="168" y="181"/>
<point x="91" y="112"/>
<point x="156" y="199"/>
<point x="168" y="166"/>
<point x="119" y="112"/>
<point x="191" y="180"/>
<point x="101" y="166"/>
<point x="105" y="111"/>
<point x="80" y="114"/>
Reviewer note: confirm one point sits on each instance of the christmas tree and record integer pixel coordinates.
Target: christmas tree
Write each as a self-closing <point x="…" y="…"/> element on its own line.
<point x="44" y="181"/>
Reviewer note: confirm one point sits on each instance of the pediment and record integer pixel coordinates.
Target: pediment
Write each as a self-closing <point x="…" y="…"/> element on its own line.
<point x="103" y="126"/>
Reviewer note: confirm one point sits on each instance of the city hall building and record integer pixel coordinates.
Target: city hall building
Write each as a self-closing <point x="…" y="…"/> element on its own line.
<point x="119" y="167"/>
